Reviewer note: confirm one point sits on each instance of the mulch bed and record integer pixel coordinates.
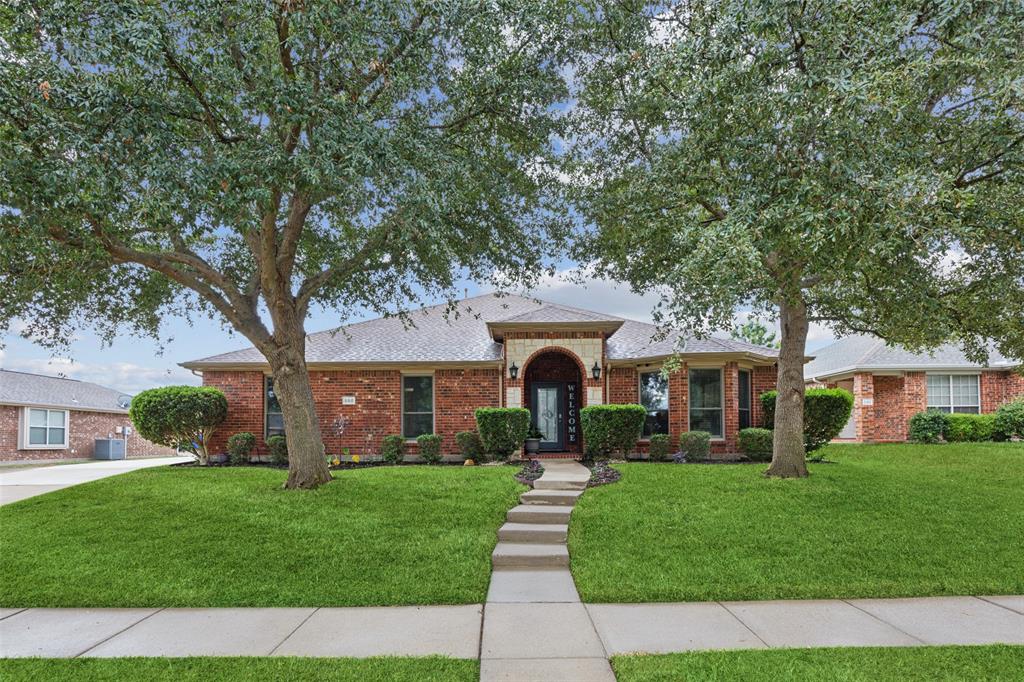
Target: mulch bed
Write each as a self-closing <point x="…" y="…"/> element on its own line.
<point x="601" y="473"/>
<point x="530" y="472"/>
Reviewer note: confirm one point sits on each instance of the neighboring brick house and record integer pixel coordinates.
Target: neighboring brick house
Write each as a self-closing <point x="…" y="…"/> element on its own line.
<point x="45" y="417"/>
<point x="385" y="376"/>
<point x="890" y="384"/>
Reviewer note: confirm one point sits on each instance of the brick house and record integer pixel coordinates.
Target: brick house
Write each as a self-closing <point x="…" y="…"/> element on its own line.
<point x="890" y="384"/>
<point x="429" y="375"/>
<point x="45" y="417"/>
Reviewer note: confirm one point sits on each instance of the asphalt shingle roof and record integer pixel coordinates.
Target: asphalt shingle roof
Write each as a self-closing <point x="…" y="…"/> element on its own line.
<point x="870" y="352"/>
<point x="461" y="335"/>
<point x="22" y="388"/>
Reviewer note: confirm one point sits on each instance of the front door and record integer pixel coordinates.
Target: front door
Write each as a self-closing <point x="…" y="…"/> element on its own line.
<point x="547" y="410"/>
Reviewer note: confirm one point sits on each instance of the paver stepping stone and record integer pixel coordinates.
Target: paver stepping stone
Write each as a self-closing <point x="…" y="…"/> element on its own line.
<point x="544" y="533"/>
<point x="539" y="513"/>
<point x="521" y="555"/>
<point x="522" y="585"/>
<point x="561" y="497"/>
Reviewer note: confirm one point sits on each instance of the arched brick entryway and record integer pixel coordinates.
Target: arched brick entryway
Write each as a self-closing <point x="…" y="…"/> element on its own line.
<point x="554" y="392"/>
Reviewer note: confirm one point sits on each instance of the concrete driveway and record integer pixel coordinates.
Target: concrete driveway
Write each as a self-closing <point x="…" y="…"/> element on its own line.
<point x="24" y="483"/>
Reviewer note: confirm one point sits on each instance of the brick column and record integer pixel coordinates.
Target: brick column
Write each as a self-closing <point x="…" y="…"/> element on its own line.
<point x="678" y="404"/>
<point x="915" y="397"/>
<point x="864" y="414"/>
<point x="731" y="417"/>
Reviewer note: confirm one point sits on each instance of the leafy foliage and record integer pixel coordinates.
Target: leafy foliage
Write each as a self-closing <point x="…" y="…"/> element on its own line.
<point x="756" y="444"/>
<point x="611" y="429"/>
<point x="1009" y="421"/>
<point x="756" y="332"/>
<point x="179" y="416"/>
<point x="695" y="445"/>
<point x="241" y="446"/>
<point x="502" y="429"/>
<point x="470" y="445"/>
<point x="393" y="448"/>
<point x="278" y="447"/>
<point x="928" y="426"/>
<point x="660" y="447"/>
<point x="826" y="411"/>
<point x="430" y="447"/>
<point x="969" y="428"/>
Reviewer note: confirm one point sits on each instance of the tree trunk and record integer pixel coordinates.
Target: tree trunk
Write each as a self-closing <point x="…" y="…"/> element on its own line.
<point x="788" y="455"/>
<point x="307" y="466"/>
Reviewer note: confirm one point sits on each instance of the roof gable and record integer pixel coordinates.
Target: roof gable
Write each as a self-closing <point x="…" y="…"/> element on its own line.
<point x="23" y="388"/>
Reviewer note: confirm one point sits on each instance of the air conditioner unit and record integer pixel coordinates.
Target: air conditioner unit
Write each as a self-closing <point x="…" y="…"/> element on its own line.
<point x="109" y="448"/>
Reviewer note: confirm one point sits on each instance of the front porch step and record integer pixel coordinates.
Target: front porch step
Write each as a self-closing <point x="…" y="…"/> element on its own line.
<point x="541" y="533"/>
<point x="520" y="555"/>
<point x="569" y="482"/>
<point x="539" y="513"/>
<point x="559" y="497"/>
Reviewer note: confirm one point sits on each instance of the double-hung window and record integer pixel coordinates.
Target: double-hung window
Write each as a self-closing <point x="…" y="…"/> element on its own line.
<point x="706" y="406"/>
<point x="745" y="398"/>
<point x="274" y="418"/>
<point x="954" y="393"/>
<point x="46" y="428"/>
<point x="417" y="405"/>
<point x="654" y="398"/>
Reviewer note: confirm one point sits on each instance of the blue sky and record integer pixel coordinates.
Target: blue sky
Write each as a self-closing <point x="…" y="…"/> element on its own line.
<point x="133" y="364"/>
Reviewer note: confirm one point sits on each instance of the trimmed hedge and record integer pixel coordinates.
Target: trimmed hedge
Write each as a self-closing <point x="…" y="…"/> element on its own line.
<point x="660" y="448"/>
<point x="611" y="428"/>
<point x="278" y="447"/>
<point x="756" y="444"/>
<point x="502" y="429"/>
<point x="928" y="426"/>
<point x="179" y="416"/>
<point x="393" y="448"/>
<point x="826" y="411"/>
<point x="429" y="447"/>
<point x="1009" y="420"/>
<point x="969" y="428"/>
<point x="695" y="445"/>
<point x="470" y="445"/>
<point x="241" y="446"/>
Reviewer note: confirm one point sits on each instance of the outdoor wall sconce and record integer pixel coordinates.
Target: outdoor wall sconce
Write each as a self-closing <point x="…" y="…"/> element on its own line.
<point x="513" y="371"/>
<point x="596" y="370"/>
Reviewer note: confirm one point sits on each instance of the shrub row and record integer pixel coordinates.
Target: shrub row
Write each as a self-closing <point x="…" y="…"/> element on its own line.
<point x="932" y="426"/>
<point x="609" y="429"/>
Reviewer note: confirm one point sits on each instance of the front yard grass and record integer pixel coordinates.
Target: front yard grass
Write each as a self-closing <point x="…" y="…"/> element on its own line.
<point x="189" y="536"/>
<point x="430" y="669"/>
<point x="834" y="665"/>
<point x="884" y="521"/>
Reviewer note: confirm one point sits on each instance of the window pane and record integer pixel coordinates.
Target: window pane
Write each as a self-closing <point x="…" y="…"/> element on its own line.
<point x="938" y="389"/>
<point x="965" y="389"/>
<point x="705" y="388"/>
<point x="419" y="394"/>
<point x="706" y="420"/>
<point x="37" y="417"/>
<point x="37" y="435"/>
<point x="272" y="404"/>
<point x="275" y="424"/>
<point x="965" y="410"/>
<point x="654" y="398"/>
<point x="417" y="424"/>
<point x="56" y="418"/>
<point x="56" y="437"/>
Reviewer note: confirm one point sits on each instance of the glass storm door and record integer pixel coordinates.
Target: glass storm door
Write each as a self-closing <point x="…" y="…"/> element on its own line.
<point x="548" y="414"/>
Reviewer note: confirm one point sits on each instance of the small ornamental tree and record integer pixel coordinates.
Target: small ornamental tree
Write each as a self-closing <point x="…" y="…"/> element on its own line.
<point x="179" y="416"/>
<point x="855" y="165"/>
<point x="256" y="160"/>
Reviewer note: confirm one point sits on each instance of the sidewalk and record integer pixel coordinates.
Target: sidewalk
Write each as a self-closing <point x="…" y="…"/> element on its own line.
<point x="560" y="635"/>
<point x="24" y="483"/>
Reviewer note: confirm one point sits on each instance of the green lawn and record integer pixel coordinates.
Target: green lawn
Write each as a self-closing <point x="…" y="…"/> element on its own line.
<point x="973" y="663"/>
<point x="884" y="521"/>
<point x="248" y="669"/>
<point x="231" y="537"/>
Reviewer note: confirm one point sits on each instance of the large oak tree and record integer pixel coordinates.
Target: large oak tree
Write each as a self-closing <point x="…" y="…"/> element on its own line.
<point x="856" y="164"/>
<point x="253" y="159"/>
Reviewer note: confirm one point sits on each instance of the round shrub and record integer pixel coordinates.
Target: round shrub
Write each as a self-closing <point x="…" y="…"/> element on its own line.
<point x="756" y="444"/>
<point x="611" y="428"/>
<point x="393" y="449"/>
<point x="278" y="447"/>
<point x="927" y="427"/>
<point x="695" y="445"/>
<point x="661" y="447"/>
<point x="969" y="428"/>
<point x="241" y="446"/>
<point x="429" y="447"/>
<point x="470" y="445"/>
<point x="179" y="416"/>
<point x="826" y="411"/>
<point x="1009" y="420"/>
<point x="502" y="429"/>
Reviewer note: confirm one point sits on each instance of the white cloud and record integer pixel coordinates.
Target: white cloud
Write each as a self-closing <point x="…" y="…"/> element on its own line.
<point x="123" y="376"/>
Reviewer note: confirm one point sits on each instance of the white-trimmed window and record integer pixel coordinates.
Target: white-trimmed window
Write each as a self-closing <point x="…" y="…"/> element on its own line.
<point x="45" y="429"/>
<point x="273" y="418"/>
<point x="954" y="393"/>
<point x="654" y="398"/>
<point x="417" y="405"/>
<point x="707" y="402"/>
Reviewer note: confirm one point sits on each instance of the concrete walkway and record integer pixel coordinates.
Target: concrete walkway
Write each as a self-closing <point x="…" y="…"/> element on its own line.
<point x="24" y="483"/>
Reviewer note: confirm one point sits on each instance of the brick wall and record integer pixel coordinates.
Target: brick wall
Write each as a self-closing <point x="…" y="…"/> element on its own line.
<point x="244" y="391"/>
<point x="890" y="409"/>
<point x="457" y="395"/>
<point x="764" y="379"/>
<point x="83" y="430"/>
<point x="623" y="385"/>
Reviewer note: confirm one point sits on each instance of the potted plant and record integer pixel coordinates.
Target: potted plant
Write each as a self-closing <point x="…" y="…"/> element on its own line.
<point x="532" y="442"/>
